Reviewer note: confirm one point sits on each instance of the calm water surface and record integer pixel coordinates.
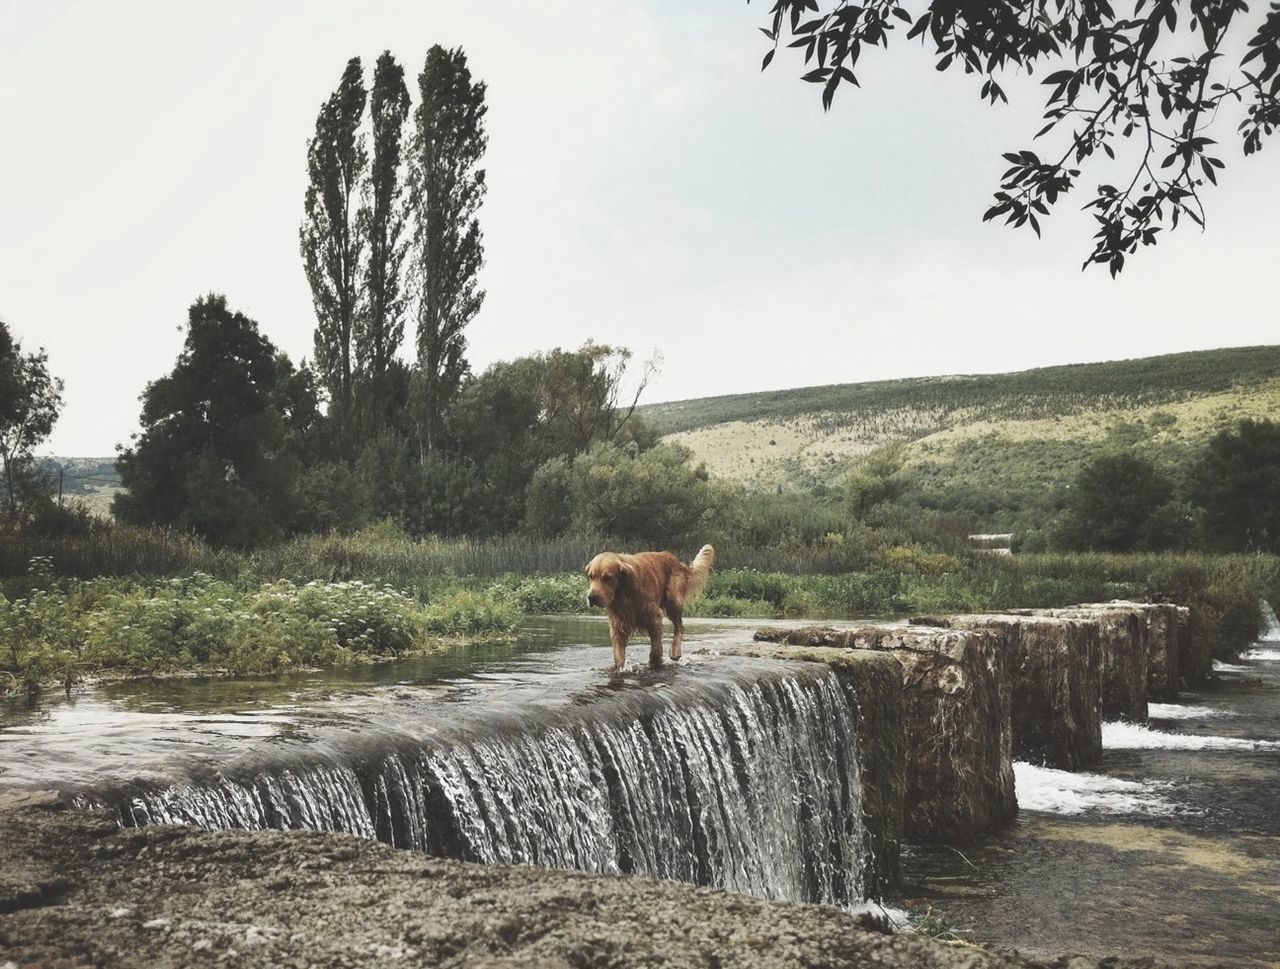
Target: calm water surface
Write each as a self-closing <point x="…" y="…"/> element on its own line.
<point x="139" y="730"/>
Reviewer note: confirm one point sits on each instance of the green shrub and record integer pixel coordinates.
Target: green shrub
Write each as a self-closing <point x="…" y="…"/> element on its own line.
<point x="470" y="613"/>
<point x="198" y="621"/>
<point x="730" y="607"/>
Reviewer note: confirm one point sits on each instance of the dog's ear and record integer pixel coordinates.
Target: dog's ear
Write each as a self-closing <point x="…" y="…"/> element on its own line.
<point x="626" y="570"/>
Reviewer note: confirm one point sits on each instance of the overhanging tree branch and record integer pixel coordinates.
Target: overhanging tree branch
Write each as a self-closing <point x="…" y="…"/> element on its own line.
<point x="1165" y="54"/>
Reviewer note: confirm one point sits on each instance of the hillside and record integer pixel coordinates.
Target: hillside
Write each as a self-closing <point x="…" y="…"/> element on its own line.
<point x="92" y="481"/>
<point x="1025" y="394"/>
<point x="1000" y="448"/>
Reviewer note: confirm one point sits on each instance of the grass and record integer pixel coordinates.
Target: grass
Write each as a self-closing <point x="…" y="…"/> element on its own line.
<point x="135" y="600"/>
<point x="62" y="630"/>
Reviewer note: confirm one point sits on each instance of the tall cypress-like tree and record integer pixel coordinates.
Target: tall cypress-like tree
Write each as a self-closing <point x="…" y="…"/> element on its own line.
<point x="446" y="189"/>
<point x="380" y="330"/>
<point x="331" y="239"/>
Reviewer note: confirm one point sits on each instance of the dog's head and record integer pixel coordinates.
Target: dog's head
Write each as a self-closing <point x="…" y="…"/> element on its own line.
<point x="606" y="573"/>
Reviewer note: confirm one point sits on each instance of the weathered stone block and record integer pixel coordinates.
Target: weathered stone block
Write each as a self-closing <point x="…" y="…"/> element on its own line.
<point x="1056" y="669"/>
<point x="1161" y="638"/>
<point x="1123" y="651"/>
<point x="957" y="717"/>
<point x="1194" y="657"/>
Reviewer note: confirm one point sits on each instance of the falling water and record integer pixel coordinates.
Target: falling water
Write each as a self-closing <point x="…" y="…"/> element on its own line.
<point x="1271" y="633"/>
<point x="747" y="786"/>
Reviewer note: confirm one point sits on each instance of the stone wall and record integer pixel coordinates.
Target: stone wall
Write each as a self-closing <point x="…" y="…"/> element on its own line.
<point x="1055" y="666"/>
<point x="957" y="702"/>
<point x="1123" y="654"/>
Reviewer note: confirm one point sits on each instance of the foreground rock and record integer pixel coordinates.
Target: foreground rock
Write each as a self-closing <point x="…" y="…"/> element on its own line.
<point x="76" y="891"/>
<point x="1055" y="665"/>
<point x="956" y="705"/>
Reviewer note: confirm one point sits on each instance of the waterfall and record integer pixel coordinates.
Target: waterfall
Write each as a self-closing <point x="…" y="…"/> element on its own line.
<point x="1271" y="633"/>
<point x="747" y="786"/>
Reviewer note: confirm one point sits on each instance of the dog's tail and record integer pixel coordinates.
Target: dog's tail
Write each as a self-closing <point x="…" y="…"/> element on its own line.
<point x="700" y="570"/>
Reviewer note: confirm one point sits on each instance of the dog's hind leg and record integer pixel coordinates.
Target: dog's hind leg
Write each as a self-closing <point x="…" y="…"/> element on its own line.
<point x="655" y="639"/>
<point x="677" y="637"/>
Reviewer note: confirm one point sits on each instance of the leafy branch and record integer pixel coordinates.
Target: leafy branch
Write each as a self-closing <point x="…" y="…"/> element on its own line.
<point x="1157" y="75"/>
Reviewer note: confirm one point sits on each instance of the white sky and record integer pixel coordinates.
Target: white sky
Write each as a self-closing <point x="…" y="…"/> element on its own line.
<point x="649" y="187"/>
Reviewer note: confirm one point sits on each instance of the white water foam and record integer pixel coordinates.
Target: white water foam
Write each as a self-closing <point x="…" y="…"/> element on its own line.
<point x="1132" y="736"/>
<point x="1268" y="653"/>
<point x="1181" y="711"/>
<point x="1272" y="633"/>
<point x="1066" y="792"/>
<point x="1221" y="667"/>
<point x="897" y="919"/>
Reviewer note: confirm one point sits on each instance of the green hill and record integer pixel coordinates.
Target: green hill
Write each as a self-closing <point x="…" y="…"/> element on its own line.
<point x="1025" y="394"/>
<point x="999" y="449"/>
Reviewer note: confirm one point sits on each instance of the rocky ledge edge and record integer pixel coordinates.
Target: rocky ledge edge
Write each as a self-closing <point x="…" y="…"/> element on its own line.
<point x="77" y="891"/>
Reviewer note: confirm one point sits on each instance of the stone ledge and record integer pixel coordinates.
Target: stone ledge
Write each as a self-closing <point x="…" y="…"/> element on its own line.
<point x="172" y="897"/>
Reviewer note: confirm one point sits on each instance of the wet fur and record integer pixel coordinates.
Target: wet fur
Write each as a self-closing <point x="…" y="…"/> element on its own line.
<point x="636" y="590"/>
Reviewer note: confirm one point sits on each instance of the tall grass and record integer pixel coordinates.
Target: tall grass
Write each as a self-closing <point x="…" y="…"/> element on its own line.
<point x="376" y="553"/>
<point x="119" y="550"/>
<point x="541" y="576"/>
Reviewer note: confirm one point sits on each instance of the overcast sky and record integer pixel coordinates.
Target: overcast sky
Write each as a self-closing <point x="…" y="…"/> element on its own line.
<point x="649" y="187"/>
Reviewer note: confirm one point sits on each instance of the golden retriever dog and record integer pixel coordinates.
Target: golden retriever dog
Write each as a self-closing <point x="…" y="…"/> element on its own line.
<point x="635" y="590"/>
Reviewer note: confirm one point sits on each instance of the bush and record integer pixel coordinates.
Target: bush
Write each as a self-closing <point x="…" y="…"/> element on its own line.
<point x="198" y="621"/>
<point x="469" y="613"/>
<point x="654" y="497"/>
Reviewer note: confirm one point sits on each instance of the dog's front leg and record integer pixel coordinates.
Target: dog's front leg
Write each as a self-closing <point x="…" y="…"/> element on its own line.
<point x="619" y="641"/>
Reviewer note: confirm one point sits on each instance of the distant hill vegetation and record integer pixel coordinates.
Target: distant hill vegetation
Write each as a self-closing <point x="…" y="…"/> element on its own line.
<point x="1022" y="395"/>
<point x="998" y="449"/>
<point x="92" y="481"/>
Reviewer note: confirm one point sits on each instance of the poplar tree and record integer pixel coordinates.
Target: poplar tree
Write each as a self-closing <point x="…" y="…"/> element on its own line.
<point x="447" y="186"/>
<point x="331" y="239"/>
<point x="380" y="330"/>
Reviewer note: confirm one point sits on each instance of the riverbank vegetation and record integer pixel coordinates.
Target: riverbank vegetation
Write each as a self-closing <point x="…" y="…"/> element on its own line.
<point x="147" y="601"/>
<point x="65" y="629"/>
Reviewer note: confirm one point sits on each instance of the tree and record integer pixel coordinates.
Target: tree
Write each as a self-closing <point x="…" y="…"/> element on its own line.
<point x="878" y="480"/>
<point x="1117" y="504"/>
<point x="380" y="329"/>
<point x="1131" y="75"/>
<point x="656" y="496"/>
<point x="332" y="241"/>
<point x="216" y="454"/>
<point x="1237" y="483"/>
<point x="446" y="189"/>
<point x="585" y="394"/>
<point x="517" y="415"/>
<point x="30" y="401"/>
